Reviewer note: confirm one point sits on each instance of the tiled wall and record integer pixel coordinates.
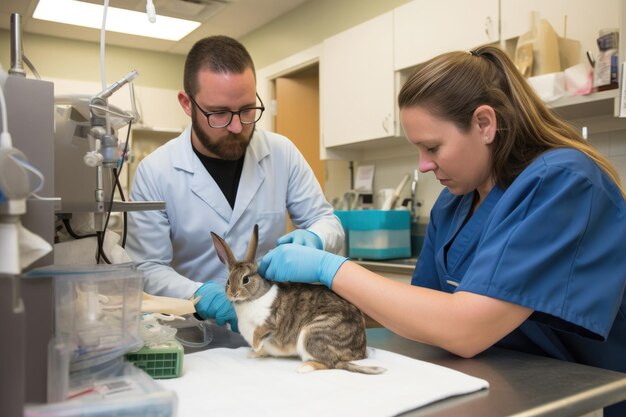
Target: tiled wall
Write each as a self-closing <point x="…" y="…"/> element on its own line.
<point x="613" y="145"/>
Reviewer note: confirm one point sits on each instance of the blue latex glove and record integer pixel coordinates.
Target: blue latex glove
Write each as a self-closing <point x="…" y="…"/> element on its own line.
<point x="296" y="263"/>
<point x="301" y="237"/>
<point x="215" y="305"/>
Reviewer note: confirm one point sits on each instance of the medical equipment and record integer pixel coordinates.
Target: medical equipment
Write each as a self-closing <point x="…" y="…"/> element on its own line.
<point x="30" y="109"/>
<point x="11" y="304"/>
<point x="88" y="157"/>
<point x="28" y="145"/>
<point x="16" y="46"/>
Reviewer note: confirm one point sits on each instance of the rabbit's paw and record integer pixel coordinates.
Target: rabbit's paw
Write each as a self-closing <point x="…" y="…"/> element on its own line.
<point x="257" y="354"/>
<point x="310" y="366"/>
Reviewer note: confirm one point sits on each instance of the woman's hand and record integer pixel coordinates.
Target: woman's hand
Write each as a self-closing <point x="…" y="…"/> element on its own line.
<point x="296" y="263"/>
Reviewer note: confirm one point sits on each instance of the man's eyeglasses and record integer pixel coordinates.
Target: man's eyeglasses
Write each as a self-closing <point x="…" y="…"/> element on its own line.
<point x="222" y="118"/>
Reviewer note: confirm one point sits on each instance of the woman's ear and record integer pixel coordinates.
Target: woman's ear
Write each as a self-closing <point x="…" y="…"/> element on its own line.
<point x="185" y="103"/>
<point x="485" y="118"/>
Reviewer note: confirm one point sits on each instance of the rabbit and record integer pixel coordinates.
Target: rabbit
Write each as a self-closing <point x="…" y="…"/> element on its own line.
<point x="293" y="319"/>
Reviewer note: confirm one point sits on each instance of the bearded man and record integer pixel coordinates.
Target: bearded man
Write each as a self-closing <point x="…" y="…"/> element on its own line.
<point x="224" y="176"/>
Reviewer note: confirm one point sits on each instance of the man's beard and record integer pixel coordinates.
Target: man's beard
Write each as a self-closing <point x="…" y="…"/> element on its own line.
<point x="231" y="148"/>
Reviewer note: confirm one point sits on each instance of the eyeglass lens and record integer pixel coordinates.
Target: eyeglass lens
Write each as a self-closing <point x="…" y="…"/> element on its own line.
<point x="223" y="118"/>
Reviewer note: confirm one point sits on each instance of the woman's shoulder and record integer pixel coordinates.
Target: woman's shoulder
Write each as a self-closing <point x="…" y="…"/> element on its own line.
<point x="563" y="162"/>
<point x="559" y="169"/>
<point x="568" y="158"/>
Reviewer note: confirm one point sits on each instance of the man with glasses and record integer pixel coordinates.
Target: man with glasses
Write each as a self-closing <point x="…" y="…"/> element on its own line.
<point x="221" y="175"/>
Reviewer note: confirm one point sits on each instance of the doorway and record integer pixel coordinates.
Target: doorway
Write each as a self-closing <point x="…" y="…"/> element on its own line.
<point x="297" y="114"/>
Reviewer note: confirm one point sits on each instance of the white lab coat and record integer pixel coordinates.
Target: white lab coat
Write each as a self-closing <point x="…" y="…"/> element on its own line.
<point x="173" y="247"/>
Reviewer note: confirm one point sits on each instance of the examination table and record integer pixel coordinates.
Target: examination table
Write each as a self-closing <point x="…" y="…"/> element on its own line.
<point x="519" y="384"/>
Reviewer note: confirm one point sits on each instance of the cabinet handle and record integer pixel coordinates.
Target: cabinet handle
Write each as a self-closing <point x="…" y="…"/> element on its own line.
<point x="488" y="27"/>
<point x="386" y="124"/>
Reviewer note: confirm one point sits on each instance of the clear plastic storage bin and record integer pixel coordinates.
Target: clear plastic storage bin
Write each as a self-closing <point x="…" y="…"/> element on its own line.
<point x="96" y="320"/>
<point x="127" y="392"/>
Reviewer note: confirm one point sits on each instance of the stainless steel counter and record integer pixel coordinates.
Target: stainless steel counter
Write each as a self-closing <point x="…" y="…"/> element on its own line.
<point x="521" y="385"/>
<point x="394" y="266"/>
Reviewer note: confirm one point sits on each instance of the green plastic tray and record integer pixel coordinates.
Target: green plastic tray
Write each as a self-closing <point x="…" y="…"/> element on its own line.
<point x="162" y="362"/>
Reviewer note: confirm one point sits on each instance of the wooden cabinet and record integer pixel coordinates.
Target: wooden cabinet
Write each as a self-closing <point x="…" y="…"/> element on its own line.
<point x="357" y="84"/>
<point x="425" y="28"/>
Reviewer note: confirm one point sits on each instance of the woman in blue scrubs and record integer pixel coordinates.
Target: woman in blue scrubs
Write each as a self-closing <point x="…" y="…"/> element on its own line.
<point x="526" y="245"/>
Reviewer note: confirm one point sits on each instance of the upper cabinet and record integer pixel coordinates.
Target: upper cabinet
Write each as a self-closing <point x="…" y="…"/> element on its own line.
<point x="426" y="28"/>
<point x="357" y="84"/>
<point x="362" y="69"/>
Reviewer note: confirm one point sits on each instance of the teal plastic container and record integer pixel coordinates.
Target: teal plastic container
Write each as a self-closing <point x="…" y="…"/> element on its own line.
<point x="377" y="234"/>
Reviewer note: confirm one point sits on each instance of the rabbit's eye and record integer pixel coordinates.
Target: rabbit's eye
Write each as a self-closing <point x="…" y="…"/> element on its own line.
<point x="245" y="280"/>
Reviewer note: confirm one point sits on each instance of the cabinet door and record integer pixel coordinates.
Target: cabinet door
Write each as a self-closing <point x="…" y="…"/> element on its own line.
<point x="426" y="28"/>
<point x="584" y="19"/>
<point x="357" y="83"/>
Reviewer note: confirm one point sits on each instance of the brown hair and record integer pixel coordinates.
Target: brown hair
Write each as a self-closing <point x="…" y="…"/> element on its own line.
<point x="452" y="85"/>
<point x="218" y="54"/>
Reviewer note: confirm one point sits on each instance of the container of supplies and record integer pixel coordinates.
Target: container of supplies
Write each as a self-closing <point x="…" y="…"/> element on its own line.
<point x="379" y="234"/>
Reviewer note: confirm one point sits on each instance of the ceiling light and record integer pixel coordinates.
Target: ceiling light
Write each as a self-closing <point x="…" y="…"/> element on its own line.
<point x="79" y="13"/>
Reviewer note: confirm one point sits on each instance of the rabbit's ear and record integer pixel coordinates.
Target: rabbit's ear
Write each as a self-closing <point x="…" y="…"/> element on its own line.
<point x="223" y="251"/>
<point x="251" y="253"/>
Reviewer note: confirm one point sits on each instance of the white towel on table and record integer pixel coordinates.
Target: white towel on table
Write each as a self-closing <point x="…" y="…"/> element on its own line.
<point x="224" y="382"/>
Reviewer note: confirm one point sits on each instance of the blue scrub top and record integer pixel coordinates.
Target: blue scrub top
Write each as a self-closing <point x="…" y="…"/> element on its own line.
<point x="555" y="242"/>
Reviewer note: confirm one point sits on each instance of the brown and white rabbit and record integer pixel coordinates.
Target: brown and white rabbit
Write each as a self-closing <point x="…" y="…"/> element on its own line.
<point x="293" y="319"/>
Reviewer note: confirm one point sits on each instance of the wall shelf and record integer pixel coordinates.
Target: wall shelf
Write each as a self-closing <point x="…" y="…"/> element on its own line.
<point x="595" y="111"/>
<point x="595" y="104"/>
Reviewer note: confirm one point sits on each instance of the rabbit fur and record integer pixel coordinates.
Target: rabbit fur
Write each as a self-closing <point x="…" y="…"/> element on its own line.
<point x="293" y="319"/>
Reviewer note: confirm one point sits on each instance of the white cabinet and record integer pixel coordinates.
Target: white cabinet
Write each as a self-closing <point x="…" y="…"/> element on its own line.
<point x="361" y="69"/>
<point x="426" y="28"/>
<point x="357" y="83"/>
<point x="583" y="19"/>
